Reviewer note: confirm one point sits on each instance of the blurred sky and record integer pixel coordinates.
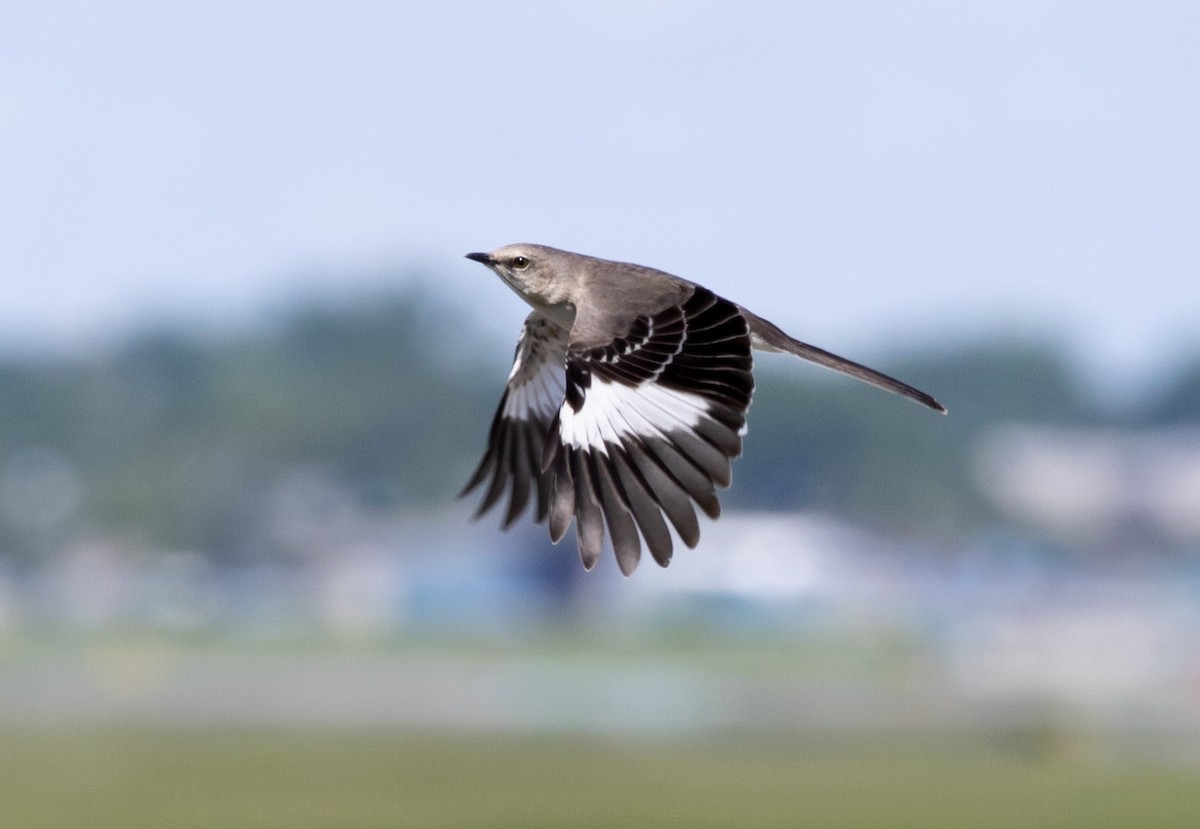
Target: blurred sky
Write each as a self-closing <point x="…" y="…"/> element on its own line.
<point x="870" y="175"/>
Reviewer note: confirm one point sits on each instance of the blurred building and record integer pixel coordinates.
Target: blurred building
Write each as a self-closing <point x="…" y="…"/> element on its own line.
<point x="1100" y="488"/>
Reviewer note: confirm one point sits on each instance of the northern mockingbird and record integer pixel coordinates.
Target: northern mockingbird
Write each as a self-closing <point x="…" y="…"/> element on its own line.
<point x="627" y="400"/>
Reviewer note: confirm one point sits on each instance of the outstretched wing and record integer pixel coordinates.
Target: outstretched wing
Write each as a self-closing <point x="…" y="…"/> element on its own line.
<point x="512" y="460"/>
<point x="648" y="426"/>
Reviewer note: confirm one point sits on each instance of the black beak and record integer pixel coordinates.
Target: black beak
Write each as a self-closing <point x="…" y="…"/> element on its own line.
<point x="483" y="258"/>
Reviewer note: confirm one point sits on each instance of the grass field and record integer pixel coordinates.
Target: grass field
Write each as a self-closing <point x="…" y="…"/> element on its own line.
<point x="224" y="778"/>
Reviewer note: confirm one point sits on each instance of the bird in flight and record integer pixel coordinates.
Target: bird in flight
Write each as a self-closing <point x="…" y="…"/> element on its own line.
<point x="626" y="401"/>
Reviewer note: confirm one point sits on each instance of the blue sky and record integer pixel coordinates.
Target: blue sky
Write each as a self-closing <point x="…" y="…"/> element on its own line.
<point x="873" y="176"/>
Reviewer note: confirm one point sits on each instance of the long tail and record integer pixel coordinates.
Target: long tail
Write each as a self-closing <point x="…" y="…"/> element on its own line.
<point x="769" y="337"/>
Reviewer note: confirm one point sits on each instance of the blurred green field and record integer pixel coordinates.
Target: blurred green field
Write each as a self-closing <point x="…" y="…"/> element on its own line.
<point x="225" y="778"/>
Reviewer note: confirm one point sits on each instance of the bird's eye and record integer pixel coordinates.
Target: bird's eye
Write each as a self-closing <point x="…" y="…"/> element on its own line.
<point x="520" y="262"/>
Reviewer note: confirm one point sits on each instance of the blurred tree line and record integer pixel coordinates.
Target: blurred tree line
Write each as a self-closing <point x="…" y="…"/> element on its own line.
<point x="179" y="441"/>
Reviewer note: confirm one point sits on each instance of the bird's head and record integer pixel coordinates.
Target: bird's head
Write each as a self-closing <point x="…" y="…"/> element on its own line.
<point x="542" y="276"/>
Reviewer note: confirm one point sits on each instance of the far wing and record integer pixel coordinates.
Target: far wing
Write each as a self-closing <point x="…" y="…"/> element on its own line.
<point x="512" y="460"/>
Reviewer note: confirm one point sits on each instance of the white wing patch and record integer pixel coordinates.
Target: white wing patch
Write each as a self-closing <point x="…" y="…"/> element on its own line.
<point x="537" y="394"/>
<point x="613" y="411"/>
